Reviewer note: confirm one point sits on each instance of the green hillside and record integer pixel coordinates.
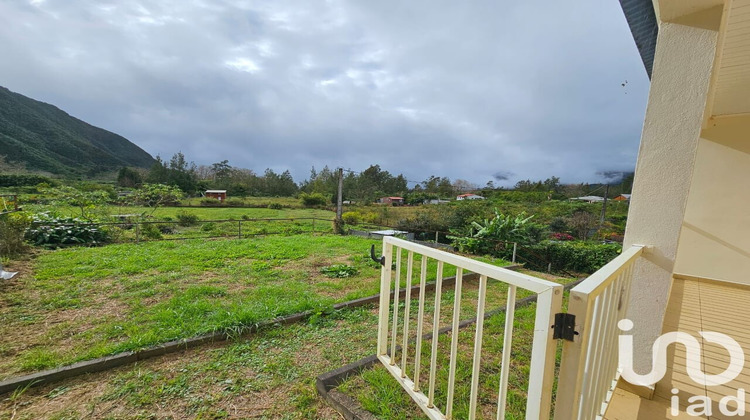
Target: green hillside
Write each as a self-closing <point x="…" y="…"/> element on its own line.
<point x="45" y="138"/>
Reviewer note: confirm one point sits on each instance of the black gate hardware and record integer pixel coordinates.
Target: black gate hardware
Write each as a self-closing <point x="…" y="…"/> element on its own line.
<point x="564" y="327"/>
<point x="380" y="260"/>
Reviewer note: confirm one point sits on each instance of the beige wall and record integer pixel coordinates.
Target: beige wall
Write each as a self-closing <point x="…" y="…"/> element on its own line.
<point x="679" y="88"/>
<point x="715" y="241"/>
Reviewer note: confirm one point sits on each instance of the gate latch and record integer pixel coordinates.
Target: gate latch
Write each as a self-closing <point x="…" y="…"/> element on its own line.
<point x="380" y="260"/>
<point x="564" y="327"/>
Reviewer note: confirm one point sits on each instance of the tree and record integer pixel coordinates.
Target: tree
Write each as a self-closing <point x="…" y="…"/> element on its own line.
<point x="581" y="222"/>
<point x="129" y="177"/>
<point x="155" y="195"/>
<point x="221" y="169"/>
<point x="87" y="202"/>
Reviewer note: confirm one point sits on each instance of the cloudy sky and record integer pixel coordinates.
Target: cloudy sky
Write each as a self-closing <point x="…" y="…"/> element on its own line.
<point x="471" y="90"/>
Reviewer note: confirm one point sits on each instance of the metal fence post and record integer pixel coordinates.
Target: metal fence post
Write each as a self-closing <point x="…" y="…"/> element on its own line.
<point x="137" y="232"/>
<point x="239" y="229"/>
<point x="515" y="245"/>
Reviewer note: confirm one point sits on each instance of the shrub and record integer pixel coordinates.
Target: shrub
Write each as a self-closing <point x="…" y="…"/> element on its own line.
<point x="313" y="199"/>
<point x="186" y="219"/>
<point x="150" y="231"/>
<point x="208" y="227"/>
<point x="580" y="257"/>
<point x="48" y="230"/>
<point x="275" y="206"/>
<point x="12" y="229"/>
<point x="352" y="217"/>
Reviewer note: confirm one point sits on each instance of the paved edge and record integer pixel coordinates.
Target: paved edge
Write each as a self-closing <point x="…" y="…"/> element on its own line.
<point x="110" y="362"/>
<point x="350" y="408"/>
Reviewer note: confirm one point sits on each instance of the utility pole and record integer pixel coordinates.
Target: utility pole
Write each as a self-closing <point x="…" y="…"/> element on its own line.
<point x="339" y="223"/>
<point x="604" y="208"/>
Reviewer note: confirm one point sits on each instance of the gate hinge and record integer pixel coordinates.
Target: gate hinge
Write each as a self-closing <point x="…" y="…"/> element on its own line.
<point x="564" y="327"/>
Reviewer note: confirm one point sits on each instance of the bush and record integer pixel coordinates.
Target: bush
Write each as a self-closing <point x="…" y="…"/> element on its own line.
<point x="561" y="236"/>
<point x="313" y="199"/>
<point x="580" y="257"/>
<point x="48" y="230"/>
<point x="150" y="231"/>
<point x="275" y="206"/>
<point x="352" y="217"/>
<point x="208" y="227"/>
<point x="12" y="229"/>
<point x="186" y="219"/>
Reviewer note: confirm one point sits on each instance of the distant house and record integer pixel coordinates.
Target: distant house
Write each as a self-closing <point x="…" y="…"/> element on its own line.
<point x="393" y="201"/>
<point x="622" y="197"/>
<point x="589" y="199"/>
<point x="469" y="197"/>
<point x="435" y="201"/>
<point x="220" y="195"/>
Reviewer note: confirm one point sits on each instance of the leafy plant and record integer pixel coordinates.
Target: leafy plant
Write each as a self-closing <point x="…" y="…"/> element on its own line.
<point x="49" y="230"/>
<point x="275" y="206"/>
<point x="338" y="271"/>
<point x="491" y="235"/>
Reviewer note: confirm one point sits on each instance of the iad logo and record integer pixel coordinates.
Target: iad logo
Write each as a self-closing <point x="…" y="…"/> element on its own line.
<point x="700" y="405"/>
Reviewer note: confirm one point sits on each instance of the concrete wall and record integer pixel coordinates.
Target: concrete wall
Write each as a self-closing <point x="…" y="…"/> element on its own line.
<point x="714" y="242"/>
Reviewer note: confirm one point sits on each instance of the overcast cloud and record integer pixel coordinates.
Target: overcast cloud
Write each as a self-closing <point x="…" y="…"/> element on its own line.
<point x="472" y="90"/>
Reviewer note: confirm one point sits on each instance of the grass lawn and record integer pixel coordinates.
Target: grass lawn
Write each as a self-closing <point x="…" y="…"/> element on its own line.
<point x="80" y="303"/>
<point x="268" y="375"/>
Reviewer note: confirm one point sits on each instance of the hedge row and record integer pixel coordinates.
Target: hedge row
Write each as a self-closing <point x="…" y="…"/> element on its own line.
<point x="579" y="257"/>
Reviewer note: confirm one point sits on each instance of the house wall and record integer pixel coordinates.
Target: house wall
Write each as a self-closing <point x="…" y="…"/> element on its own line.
<point x="714" y="241"/>
<point x="681" y="75"/>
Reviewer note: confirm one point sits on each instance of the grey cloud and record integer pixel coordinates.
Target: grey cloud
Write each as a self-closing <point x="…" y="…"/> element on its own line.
<point x="423" y="88"/>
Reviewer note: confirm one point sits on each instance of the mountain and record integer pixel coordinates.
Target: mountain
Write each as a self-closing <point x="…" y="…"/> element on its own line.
<point x="46" y="138"/>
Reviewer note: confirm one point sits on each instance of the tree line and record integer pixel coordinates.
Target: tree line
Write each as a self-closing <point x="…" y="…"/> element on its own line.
<point x="365" y="186"/>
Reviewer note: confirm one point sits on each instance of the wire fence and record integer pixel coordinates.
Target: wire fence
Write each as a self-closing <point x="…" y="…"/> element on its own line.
<point x="138" y="231"/>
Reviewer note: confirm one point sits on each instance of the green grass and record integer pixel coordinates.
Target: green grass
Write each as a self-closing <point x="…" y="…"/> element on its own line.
<point x="269" y="375"/>
<point x="82" y="303"/>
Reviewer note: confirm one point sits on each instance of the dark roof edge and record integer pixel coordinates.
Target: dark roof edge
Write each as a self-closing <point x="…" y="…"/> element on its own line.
<point x="642" y="21"/>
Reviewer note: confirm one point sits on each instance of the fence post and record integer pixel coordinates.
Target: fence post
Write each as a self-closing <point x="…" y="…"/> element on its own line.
<point x="239" y="229"/>
<point x="515" y="245"/>
<point x="437" y="236"/>
<point x="137" y="232"/>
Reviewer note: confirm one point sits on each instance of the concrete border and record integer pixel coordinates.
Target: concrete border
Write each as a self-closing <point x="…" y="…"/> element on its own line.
<point x="109" y="362"/>
<point x="327" y="383"/>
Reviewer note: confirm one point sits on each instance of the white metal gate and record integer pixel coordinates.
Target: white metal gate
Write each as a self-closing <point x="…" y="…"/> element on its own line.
<point x="541" y="375"/>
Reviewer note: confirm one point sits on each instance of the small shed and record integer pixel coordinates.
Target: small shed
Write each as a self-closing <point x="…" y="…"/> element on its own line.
<point x="220" y="195"/>
<point x="469" y="197"/>
<point x="394" y="201"/>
